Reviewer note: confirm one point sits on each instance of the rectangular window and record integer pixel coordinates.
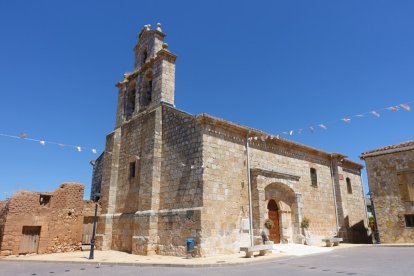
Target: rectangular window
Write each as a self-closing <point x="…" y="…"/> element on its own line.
<point x="406" y="185"/>
<point x="44" y="199"/>
<point x="348" y="185"/>
<point x="132" y="169"/>
<point x="314" y="177"/>
<point x="409" y="220"/>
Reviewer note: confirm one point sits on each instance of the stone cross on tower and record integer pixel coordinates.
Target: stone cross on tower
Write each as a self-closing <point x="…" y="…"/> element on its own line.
<point x="153" y="80"/>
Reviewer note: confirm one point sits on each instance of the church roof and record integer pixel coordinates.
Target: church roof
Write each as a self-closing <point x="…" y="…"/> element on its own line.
<point x="408" y="145"/>
<point x="288" y="143"/>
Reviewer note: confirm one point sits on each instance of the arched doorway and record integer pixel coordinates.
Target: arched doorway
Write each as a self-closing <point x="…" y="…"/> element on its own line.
<point x="274" y="234"/>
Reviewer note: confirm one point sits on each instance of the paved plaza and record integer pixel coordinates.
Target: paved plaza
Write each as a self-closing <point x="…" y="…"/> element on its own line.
<point x="346" y="260"/>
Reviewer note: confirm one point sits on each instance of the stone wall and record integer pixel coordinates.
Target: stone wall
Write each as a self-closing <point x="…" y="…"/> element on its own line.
<point x="156" y="210"/>
<point x="60" y="219"/>
<point x="389" y="207"/>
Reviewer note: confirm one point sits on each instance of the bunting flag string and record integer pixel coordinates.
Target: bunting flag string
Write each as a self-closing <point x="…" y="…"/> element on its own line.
<point x="348" y="119"/>
<point x="23" y="136"/>
<point x="263" y="138"/>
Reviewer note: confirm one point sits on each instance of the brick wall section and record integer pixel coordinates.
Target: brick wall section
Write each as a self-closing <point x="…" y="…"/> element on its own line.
<point x="60" y="220"/>
<point x="389" y="207"/>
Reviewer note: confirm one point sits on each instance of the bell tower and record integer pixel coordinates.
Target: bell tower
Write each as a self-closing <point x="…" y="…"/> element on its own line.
<point x="152" y="82"/>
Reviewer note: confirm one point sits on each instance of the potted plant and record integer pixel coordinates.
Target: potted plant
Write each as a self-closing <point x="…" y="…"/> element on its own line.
<point x="305" y="225"/>
<point x="269" y="224"/>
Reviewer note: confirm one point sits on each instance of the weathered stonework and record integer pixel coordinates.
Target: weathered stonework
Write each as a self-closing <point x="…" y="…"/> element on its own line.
<point x="167" y="175"/>
<point x="391" y="204"/>
<point x="58" y="216"/>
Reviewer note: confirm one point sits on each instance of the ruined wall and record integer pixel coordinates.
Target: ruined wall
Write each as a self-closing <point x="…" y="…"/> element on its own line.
<point x="3" y="215"/>
<point x="389" y="206"/>
<point x="60" y="219"/>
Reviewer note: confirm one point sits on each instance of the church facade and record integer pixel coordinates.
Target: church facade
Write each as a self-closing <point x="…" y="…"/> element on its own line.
<point x="167" y="175"/>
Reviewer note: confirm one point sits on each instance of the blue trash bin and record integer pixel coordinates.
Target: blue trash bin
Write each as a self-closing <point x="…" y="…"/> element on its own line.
<point x="190" y="245"/>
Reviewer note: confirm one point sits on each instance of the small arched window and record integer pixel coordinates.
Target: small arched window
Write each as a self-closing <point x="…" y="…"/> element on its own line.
<point x="348" y="185"/>
<point x="130" y="103"/>
<point x="314" y="177"/>
<point x="144" y="57"/>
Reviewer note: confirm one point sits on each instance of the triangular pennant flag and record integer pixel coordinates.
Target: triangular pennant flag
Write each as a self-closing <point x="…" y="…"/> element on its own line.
<point x="346" y="120"/>
<point x="406" y="107"/>
<point x="78" y="148"/>
<point x="22" y="135"/>
<point x="359" y="115"/>
<point x="285" y="132"/>
<point x="376" y="114"/>
<point x="300" y="131"/>
<point x="393" y="108"/>
<point x="94" y="151"/>
<point x="137" y="157"/>
<point x="61" y="145"/>
<point x="291" y="132"/>
<point x="278" y="136"/>
<point x="262" y="138"/>
<point x="312" y="130"/>
<point x="323" y="126"/>
<point x="42" y="142"/>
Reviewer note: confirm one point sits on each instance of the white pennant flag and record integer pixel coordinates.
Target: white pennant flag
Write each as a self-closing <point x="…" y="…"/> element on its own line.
<point x="78" y="148"/>
<point x="94" y="151"/>
<point x="406" y="107"/>
<point x="42" y="142"/>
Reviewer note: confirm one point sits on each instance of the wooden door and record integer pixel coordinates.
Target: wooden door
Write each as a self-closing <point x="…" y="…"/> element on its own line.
<point x="87" y="230"/>
<point x="274" y="234"/>
<point x="29" y="242"/>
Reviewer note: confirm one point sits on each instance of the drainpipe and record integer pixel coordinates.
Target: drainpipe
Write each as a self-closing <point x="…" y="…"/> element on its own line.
<point x="334" y="197"/>
<point x="250" y="191"/>
<point x="365" y="202"/>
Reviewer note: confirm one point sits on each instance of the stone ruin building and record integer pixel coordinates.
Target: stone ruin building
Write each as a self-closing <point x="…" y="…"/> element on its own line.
<point x="167" y="175"/>
<point x="391" y="181"/>
<point x="34" y="222"/>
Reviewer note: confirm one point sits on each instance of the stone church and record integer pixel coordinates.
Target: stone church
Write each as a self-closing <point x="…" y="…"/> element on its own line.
<point x="167" y="175"/>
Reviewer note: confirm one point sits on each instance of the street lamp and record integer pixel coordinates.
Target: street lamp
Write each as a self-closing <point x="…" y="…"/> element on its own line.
<point x="95" y="199"/>
<point x="376" y="233"/>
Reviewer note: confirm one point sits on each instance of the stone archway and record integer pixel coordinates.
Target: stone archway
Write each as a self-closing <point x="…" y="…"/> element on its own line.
<point x="278" y="187"/>
<point x="285" y="199"/>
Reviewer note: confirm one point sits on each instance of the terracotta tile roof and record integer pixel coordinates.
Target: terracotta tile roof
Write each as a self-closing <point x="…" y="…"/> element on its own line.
<point x="389" y="149"/>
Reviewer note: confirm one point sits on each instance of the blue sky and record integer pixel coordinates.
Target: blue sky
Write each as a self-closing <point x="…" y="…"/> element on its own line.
<point x="272" y="65"/>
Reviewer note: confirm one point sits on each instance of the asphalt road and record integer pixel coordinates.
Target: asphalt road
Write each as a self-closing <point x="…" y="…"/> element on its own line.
<point x="351" y="261"/>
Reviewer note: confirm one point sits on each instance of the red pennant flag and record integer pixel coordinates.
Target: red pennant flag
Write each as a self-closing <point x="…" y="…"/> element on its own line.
<point x="22" y="135"/>
<point x="393" y="108"/>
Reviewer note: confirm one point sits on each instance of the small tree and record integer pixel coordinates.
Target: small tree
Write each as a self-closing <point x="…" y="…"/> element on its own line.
<point x="305" y="223"/>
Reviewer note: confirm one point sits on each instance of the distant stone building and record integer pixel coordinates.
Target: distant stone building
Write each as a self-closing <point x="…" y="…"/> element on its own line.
<point x="391" y="180"/>
<point x="33" y="222"/>
<point x="167" y="175"/>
